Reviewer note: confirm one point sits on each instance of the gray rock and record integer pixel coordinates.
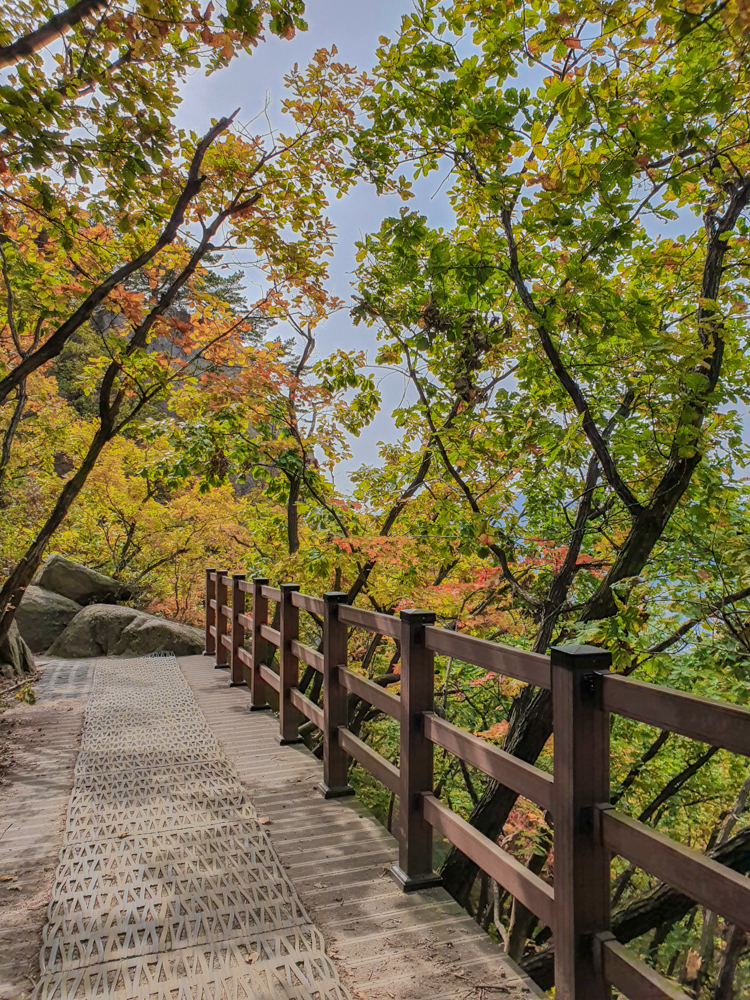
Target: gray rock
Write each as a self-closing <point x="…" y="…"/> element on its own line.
<point x="42" y="615"/>
<point x="16" y="658"/>
<point x="78" y="583"/>
<point x="107" y="630"/>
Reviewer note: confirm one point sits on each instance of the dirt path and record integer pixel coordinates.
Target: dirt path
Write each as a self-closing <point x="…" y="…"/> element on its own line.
<point x="38" y="749"/>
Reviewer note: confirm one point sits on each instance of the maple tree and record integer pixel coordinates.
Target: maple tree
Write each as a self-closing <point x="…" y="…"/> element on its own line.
<point x="65" y="262"/>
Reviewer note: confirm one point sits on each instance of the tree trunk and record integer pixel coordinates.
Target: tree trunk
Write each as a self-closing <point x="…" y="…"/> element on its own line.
<point x="663" y="907"/>
<point x="23" y="573"/>
<point x="292" y="516"/>
<point x="737" y="940"/>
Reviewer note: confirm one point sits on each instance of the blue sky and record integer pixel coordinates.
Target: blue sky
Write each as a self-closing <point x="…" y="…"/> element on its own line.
<point x="354" y="27"/>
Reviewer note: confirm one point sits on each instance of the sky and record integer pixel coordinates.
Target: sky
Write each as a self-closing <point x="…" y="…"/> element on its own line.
<point x="354" y="27"/>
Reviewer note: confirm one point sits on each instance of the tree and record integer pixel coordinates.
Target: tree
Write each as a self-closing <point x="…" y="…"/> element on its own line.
<point x="599" y="255"/>
<point x="264" y="188"/>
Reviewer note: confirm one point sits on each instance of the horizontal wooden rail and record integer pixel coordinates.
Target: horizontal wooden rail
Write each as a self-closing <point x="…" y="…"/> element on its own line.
<point x="308" y="708"/>
<point x="315" y="605"/>
<point x="587" y="956"/>
<point x="370" y="692"/>
<point x="308" y="655"/>
<point x="528" y="888"/>
<point x="269" y="676"/>
<point x="709" y="883"/>
<point x="714" y="722"/>
<point x="533" y="668"/>
<point x="632" y="977"/>
<point x="373" y="621"/>
<point x="271" y="634"/>
<point x="523" y="778"/>
<point x="371" y="761"/>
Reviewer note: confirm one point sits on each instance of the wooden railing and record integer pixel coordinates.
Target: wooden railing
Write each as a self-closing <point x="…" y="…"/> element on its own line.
<point x="587" y="829"/>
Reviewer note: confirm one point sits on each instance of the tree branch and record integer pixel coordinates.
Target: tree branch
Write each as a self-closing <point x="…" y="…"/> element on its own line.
<point x="57" y="25"/>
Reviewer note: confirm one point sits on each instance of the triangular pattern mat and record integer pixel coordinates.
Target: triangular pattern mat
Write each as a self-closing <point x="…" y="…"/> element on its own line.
<point x="168" y="887"/>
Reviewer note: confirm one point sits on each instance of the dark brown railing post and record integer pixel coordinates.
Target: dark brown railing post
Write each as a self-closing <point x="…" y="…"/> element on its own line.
<point x="210" y="639"/>
<point x="414" y="869"/>
<point x="289" y="717"/>
<point x="581" y="773"/>
<point x="258" y="694"/>
<point x="222" y="594"/>
<point x="335" y="783"/>
<point x="237" y="676"/>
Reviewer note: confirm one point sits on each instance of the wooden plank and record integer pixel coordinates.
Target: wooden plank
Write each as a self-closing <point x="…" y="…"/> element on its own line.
<point x="523" y="778"/>
<point x="213" y="604"/>
<point x="532" y="668"/>
<point x="269" y="676"/>
<point x="245" y="620"/>
<point x="714" y="722"/>
<point x="244" y="656"/>
<point x="370" y="692"/>
<point x="226" y="610"/>
<point x="246" y="586"/>
<point x="270" y="593"/>
<point x="308" y="655"/>
<point x="259" y="648"/>
<point x="308" y="708"/>
<point x="210" y="614"/>
<point x="308" y="603"/>
<point x="370" y="620"/>
<point x="632" y="977"/>
<point x="581" y="780"/>
<point x="270" y="634"/>
<point x="535" y="894"/>
<point x="222" y="622"/>
<point x="212" y="629"/>
<point x="226" y="641"/>
<point x="371" y="761"/>
<point x="335" y="699"/>
<point x="289" y="719"/>
<point x="238" y="630"/>
<point x="712" y="885"/>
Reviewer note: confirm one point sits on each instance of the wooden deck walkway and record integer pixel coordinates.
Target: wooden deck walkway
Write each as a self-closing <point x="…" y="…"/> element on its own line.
<point x="387" y="945"/>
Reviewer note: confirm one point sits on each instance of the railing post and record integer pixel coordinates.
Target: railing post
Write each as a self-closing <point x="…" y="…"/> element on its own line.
<point x="237" y="676"/>
<point x="414" y="869"/>
<point x="222" y="593"/>
<point x="581" y="773"/>
<point x="210" y="640"/>
<point x="335" y="783"/>
<point x="258" y="694"/>
<point x="289" y="717"/>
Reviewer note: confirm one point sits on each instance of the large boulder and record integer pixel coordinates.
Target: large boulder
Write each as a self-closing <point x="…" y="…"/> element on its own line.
<point x="78" y="583"/>
<point x="42" y="615"/>
<point x="16" y="658"/>
<point x="107" y="630"/>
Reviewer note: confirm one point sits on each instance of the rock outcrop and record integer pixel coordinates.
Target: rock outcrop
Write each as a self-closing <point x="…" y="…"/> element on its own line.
<point x="42" y="616"/>
<point x="108" y="630"/>
<point x="78" y="583"/>
<point x="16" y="658"/>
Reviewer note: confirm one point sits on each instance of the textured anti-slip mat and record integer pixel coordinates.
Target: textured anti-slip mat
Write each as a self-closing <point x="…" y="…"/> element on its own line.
<point x="168" y="887"/>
